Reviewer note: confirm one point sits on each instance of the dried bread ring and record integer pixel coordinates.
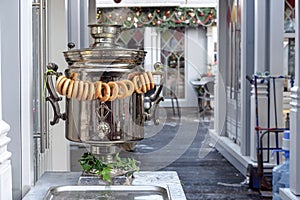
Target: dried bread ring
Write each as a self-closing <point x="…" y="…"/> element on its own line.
<point x="58" y="80"/>
<point x="147" y="81"/>
<point x="105" y="92"/>
<point x="65" y="87"/>
<point x="137" y="85"/>
<point x="75" y="89"/>
<point x="74" y="75"/>
<point x="85" y="91"/>
<point x="114" y="90"/>
<point x="98" y="90"/>
<point x="123" y="91"/>
<point x="91" y="91"/>
<point x="143" y="82"/>
<point x="130" y="87"/>
<point x="61" y="84"/>
<point x="70" y="89"/>
<point x="132" y="75"/>
<point x="80" y="90"/>
<point x="150" y="79"/>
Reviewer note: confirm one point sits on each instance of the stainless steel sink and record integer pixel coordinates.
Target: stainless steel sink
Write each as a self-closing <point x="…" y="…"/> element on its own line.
<point x="113" y="192"/>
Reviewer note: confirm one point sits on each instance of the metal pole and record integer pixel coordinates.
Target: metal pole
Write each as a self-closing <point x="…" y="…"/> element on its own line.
<point x="41" y="77"/>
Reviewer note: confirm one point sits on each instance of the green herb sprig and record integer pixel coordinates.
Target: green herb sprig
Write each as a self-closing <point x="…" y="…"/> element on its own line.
<point x="90" y="164"/>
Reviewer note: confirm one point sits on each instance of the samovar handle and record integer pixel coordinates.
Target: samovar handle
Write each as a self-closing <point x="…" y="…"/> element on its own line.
<point x="53" y="97"/>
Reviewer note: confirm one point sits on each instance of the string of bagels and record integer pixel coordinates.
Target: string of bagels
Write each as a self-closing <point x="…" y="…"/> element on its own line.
<point x="104" y="91"/>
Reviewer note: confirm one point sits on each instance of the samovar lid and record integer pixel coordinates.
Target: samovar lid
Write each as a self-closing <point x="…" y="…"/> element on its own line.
<point x="105" y="51"/>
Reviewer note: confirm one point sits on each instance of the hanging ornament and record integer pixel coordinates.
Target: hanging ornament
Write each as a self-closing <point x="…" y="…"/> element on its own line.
<point x="117" y="1"/>
<point x="192" y="14"/>
<point x="167" y="13"/>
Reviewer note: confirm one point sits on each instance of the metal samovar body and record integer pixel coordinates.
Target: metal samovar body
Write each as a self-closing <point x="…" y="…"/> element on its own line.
<point x="102" y="125"/>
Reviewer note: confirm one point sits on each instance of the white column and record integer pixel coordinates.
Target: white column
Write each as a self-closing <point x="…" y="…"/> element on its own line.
<point x="152" y="46"/>
<point x="260" y="36"/>
<point x="260" y="61"/>
<point x="220" y="98"/>
<point x="26" y="94"/>
<point x="276" y="57"/>
<point x="295" y="115"/>
<point x="247" y="68"/>
<point x="210" y="46"/>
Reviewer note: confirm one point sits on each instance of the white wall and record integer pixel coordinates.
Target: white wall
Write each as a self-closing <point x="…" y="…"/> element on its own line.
<point x="195" y="62"/>
<point x="5" y="164"/>
<point x="10" y="66"/>
<point x="57" y="45"/>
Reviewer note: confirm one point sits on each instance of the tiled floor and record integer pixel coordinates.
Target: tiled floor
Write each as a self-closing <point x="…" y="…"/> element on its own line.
<point x="182" y="145"/>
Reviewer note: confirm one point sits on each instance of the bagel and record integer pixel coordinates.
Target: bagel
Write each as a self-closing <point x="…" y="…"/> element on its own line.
<point x="105" y="92"/>
<point x="70" y="89"/>
<point x="143" y="83"/>
<point x="58" y="80"/>
<point x="147" y="81"/>
<point x="65" y="87"/>
<point x="114" y="90"/>
<point x="75" y="89"/>
<point x="132" y="75"/>
<point x="137" y="85"/>
<point x="98" y="90"/>
<point x="130" y="87"/>
<point x="73" y="75"/>
<point x="150" y="79"/>
<point x="80" y="90"/>
<point x="60" y="85"/>
<point x="123" y="91"/>
<point x="91" y="91"/>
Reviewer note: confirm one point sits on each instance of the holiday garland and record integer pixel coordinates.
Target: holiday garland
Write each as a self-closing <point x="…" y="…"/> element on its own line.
<point x="167" y="17"/>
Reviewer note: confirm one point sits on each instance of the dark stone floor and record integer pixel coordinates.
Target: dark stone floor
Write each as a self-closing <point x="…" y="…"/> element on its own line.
<point x="204" y="172"/>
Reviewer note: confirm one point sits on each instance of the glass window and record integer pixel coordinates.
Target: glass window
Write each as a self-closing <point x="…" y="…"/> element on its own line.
<point x="172" y="56"/>
<point x="132" y="38"/>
